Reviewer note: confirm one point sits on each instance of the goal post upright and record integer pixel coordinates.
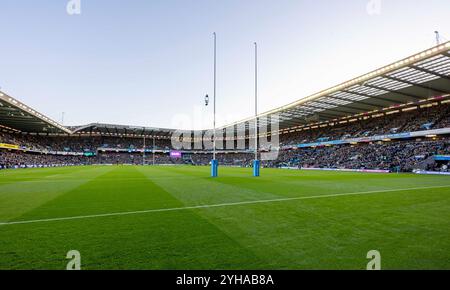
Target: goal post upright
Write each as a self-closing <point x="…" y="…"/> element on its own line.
<point x="214" y="161"/>
<point x="256" y="162"/>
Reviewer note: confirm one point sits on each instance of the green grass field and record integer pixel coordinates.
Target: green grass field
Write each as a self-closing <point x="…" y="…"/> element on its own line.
<point x="187" y="220"/>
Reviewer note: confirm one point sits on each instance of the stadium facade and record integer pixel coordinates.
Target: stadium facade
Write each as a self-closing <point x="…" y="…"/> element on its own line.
<point x="394" y="111"/>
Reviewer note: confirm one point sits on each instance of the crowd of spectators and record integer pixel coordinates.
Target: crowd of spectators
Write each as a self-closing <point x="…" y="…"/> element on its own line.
<point x="227" y="159"/>
<point x="18" y="159"/>
<point x="80" y="143"/>
<point x="427" y="118"/>
<point x="138" y="159"/>
<point x="402" y="156"/>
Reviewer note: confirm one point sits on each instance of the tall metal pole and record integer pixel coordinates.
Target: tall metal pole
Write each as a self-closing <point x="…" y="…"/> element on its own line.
<point x="214" y="162"/>
<point x="215" y="82"/>
<point x="256" y="101"/>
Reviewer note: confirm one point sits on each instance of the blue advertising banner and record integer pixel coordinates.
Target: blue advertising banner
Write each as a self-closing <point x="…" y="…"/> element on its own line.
<point x="442" y="157"/>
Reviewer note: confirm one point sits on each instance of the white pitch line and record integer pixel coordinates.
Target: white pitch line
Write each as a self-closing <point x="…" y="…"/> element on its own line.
<point x="214" y="205"/>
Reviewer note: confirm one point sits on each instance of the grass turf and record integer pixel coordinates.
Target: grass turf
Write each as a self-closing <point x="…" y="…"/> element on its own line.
<point x="411" y="228"/>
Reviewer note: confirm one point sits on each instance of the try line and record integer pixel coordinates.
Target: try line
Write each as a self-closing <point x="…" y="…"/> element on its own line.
<point x="213" y="205"/>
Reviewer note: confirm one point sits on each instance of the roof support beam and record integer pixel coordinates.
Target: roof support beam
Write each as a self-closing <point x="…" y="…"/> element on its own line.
<point x="329" y="109"/>
<point x="417" y="85"/>
<point x="294" y="123"/>
<point x="310" y="113"/>
<point x="318" y="113"/>
<point x="393" y="92"/>
<point x="346" y="106"/>
<point x="430" y="72"/>
<point x="353" y="101"/>
<point x="328" y="115"/>
<point x="370" y="96"/>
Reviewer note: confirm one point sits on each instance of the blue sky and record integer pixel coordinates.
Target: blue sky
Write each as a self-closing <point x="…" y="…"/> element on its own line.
<point x="145" y="62"/>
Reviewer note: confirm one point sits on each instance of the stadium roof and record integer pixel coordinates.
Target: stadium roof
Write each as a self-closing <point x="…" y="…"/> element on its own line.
<point x="17" y="116"/>
<point x="122" y="130"/>
<point x="420" y="77"/>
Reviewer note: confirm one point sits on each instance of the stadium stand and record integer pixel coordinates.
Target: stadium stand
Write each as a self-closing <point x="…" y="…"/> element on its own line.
<point x="402" y="156"/>
<point x="396" y="118"/>
<point x="427" y="118"/>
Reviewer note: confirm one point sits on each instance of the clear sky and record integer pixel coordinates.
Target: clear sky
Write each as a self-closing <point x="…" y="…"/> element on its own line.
<point x="148" y="62"/>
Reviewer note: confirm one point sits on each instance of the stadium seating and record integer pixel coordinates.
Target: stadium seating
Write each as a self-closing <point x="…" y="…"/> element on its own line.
<point x="436" y="117"/>
<point x="404" y="155"/>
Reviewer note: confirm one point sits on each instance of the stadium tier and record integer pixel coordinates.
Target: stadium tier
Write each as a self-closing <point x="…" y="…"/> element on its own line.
<point x="396" y="118"/>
